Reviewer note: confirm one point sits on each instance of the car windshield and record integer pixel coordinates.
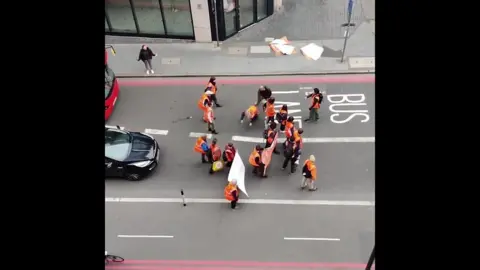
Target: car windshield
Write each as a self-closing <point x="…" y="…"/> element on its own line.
<point x="118" y="144"/>
<point x="109" y="80"/>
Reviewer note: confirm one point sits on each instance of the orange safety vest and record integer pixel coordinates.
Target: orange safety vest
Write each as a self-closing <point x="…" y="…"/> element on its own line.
<point x="202" y="101"/>
<point x="198" y="146"/>
<point x="314" y="96"/>
<point x="212" y="87"/>
<point x="254" y="155"/>
<point x="208" y="115"/>
<point x="311" y="168"/>
<point x="228" y="191"/>
<point x="288" y="129"/>
<point x="270" y="110"/>
<point x="298" y="139"/>
<point x="252" y="111"/>
<point x="283" y="113"/>
<point x="216" y="152"/>
<point x="270" y="139"/>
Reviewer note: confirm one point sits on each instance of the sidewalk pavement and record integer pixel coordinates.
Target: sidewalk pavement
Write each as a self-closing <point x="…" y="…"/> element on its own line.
<point x="184" y="58"/>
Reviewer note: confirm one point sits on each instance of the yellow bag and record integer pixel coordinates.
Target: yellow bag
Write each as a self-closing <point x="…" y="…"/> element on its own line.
<point x="218" y="166"/>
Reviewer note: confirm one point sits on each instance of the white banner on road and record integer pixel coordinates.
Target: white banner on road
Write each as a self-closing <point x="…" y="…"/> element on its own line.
<point x="237" y="172"/>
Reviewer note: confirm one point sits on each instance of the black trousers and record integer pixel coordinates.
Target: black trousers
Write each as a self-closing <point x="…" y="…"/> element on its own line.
<point x="214" y="99"/>
<point x="259" y="169"/>
<point x="233" y="203"/>
<point x="204" y="158"/>
<point x="292" y="163"/>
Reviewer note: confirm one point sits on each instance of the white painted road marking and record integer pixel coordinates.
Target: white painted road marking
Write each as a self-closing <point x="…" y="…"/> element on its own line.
<point x="311" y="239"/>
<point x="247" y="201"/>
<point x="294" y="111"/>
<point x="144" y="236"/>
<point x="156" y="131"/>
<point x="285" y="92"/>
<point x="199" y="134"/>
<point x="279" y="104"/>
<point x="306" y="88"/>
<point x="310" y="140"/>
<point x="122" y="128"/>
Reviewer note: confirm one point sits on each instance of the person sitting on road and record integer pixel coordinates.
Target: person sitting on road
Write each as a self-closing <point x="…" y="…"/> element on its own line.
<point x="251" y="113"/>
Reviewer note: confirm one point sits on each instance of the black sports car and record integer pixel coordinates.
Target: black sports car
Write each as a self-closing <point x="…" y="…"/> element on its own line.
<point x="130" y="155"/>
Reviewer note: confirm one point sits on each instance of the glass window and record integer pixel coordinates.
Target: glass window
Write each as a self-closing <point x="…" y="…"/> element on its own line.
<point x="230" y="17"/>
<point x="245" y="9"/>
<point x="121" y="16"/>
<point x="117" y="144"/>
<point x="107" y="29"/>
<point x="261" y="9"/>
<point x="178" y="18"/>
<point x="109" y="78"/>
<point x="149" y="16"/>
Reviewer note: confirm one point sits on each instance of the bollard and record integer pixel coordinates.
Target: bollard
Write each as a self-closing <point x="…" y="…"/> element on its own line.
<point x="183" y="197"/>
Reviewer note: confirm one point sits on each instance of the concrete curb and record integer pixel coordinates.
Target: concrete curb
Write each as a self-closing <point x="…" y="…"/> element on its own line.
<point x="266" y="74"/>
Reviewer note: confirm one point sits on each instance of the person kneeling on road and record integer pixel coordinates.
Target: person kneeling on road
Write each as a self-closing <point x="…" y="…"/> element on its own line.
<point x="251" y="113"/>
<point x="255" y="160"/>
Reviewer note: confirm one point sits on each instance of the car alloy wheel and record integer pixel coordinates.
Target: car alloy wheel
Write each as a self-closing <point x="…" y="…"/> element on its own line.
<point x="133" y="177"/>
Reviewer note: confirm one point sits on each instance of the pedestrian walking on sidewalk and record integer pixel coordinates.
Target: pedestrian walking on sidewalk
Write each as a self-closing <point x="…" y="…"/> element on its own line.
<point x="146" y="56"/>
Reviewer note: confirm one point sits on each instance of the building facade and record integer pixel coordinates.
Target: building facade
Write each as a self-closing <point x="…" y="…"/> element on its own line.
<point x="184" y="19"/>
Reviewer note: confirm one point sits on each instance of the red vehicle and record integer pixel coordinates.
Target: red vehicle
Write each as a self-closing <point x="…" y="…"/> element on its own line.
<point x="111" y="86"/>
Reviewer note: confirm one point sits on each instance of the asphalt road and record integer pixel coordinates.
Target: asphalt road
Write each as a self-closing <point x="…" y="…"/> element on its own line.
<point x="204" y="231"/>
<point x="346" y="170"/>
<point x="252" y="233"/>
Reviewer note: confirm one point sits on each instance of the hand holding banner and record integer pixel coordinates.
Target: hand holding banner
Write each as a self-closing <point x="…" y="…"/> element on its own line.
<point x="267" y="153"/>
<point x="237" y="172"/>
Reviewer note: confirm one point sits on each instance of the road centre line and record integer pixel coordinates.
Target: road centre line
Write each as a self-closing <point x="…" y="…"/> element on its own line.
<point x="144" y="236"/>
<point x="199" y="134"/>
<point x="156" y="131"/>
<point x="310" y="239"/>
<point x="310" y="140"/>
<point x="285" y="92"/>
<point x="245" y="201"/>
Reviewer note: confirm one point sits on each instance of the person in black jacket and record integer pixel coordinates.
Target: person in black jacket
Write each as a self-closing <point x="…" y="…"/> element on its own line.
<point x="264" y="93"/>
<point x="289" y="153"/>
<point x="146" y="56"/>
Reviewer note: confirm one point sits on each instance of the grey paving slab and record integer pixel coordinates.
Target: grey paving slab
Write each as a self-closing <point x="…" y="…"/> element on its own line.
<point x="202" y="231"/>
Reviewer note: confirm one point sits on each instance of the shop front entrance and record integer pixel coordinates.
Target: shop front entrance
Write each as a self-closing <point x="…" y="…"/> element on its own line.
<point x="235" y="15"/>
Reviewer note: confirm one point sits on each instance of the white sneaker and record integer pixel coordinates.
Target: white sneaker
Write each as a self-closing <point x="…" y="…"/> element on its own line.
<point x="152" y="71"/>
<point x="241" y="121"/>
<point x="148" y="72"/>
<point x="250" y="124"/>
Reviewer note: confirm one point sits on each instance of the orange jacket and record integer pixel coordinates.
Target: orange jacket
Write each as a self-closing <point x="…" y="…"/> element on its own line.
<point x="298" y="139"/>
<point x="252" y="111"/>
<point x="317" y="105"/>
<point x="289" y="129"/>
<point x="270" y="110"/>
<point x="216" y="152"/>
<point x="198" y="146"/>
<point x="201" y="101"/>
<point x="253" y="156"/>
<point x="228" y="191"/>
<point x="208" y="115"/>
<point x="311" y="168"/>
<point x="212" y="88"/>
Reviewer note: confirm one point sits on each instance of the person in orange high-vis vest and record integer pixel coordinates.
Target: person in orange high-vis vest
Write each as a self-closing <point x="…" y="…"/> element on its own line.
<point x="215" y="153"/>
<point x="209" y="116"/>
<point x="270" y="112"/>
<point x="212" y="86"/>
<point x="270" y="137"/>
<point x="251" y="113"/>
<point x="201" y="147"/>
<point x="317" y="98"/>
<point x="231" y="193"/>
<point x="298" y="141"/>
<point x="289" y="127"/>
<point x="204" y="102"/>
<point x="255" y="160"/>
<point x="309" y="172"/>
